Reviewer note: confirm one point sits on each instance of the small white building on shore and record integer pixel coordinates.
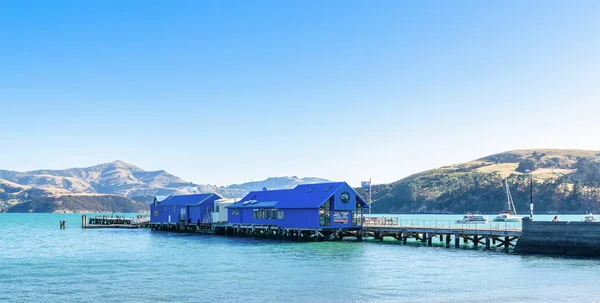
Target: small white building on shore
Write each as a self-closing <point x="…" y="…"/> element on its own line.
<point x="220" y="210"/>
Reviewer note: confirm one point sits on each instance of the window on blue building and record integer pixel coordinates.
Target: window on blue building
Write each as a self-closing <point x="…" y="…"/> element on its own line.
<point x="357" y="213"/>
<point x="325" y="213"/>
<point x="267" y="213"/>
<point x="235" y="212"/>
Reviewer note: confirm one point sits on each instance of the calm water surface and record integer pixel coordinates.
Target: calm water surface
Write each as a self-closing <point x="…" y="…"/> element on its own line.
<point x="39" y="262"/>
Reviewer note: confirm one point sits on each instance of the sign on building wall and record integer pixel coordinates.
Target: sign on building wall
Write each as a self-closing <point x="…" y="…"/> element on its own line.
<point x="340" y="217"/>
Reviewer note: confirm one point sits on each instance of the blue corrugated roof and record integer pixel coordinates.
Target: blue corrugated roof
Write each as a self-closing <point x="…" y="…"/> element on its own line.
<point x="302" y="196"/>
<point x="272" y="196"/>
<point x="185" y="199"/>
<point x="310" y="195"/>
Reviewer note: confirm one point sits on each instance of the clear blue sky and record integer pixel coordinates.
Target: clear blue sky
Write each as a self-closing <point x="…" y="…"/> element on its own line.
<point x="225" y="92"/>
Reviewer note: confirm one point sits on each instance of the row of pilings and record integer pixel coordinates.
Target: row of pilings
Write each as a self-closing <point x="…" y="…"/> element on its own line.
<point x="487" y="241"/>
<point x="293" y="234"/>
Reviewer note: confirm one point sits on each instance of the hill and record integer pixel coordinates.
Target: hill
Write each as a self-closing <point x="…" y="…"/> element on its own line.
<point x="564" y="181"/>
<point x="79" y="204"/>
<point x="83" y="189"/>
<point x="116" y="177"/>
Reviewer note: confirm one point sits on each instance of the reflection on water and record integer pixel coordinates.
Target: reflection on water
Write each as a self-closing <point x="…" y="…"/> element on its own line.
<point x="40" y="262"/>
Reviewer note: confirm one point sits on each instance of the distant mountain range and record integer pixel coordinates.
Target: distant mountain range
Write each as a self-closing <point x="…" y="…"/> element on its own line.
<point x="133" y="187"/>
<point x="566" y="181"/>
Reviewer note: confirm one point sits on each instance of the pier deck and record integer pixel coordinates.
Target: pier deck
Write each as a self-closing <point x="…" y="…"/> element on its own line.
<point x="511" y="232"/>
<point x="496" y="234"/>
<point x="490" y="235"/>
<point x="114" y="222"/>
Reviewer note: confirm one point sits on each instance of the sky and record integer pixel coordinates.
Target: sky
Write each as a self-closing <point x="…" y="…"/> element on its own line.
<point x="223" y="92"/>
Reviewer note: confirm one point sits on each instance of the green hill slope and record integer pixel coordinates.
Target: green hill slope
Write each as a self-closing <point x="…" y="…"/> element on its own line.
<point x="564" y="181"/>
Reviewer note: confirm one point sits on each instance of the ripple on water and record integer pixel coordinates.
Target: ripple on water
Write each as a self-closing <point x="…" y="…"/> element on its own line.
<point x="39" y="262"/>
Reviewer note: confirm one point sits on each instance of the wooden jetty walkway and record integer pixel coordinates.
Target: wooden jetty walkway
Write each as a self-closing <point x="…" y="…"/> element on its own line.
<point x="114" y="222"/>
<point x="490" y="234"/>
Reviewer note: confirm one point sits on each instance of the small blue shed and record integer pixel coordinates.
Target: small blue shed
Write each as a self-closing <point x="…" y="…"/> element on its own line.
<point x="180" y="208"/>
<point x="332" y="205"/>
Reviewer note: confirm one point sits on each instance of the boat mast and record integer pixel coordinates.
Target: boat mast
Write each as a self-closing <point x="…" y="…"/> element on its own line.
<point x="507" y="195"/>
<point x="512" y="203"/>
<point x="509" y="200"/>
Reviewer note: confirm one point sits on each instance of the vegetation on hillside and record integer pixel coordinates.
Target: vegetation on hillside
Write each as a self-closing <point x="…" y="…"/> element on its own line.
<point x="565" y="181"/>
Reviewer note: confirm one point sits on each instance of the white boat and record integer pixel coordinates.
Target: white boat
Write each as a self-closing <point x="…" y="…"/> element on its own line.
<point x="509" y="215"/>
<point x="590" y="218"/>
<point x="470" y="218"/>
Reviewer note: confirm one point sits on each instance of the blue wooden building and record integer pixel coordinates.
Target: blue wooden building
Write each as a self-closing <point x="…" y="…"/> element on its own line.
<point x="321" y="206"/>
<point x="183" y="208"/>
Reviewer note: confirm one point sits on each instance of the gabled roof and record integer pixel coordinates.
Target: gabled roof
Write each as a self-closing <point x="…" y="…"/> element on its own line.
<point x="302" y="196"/>
<point x="263" y="198"/>
<point x="310" y="195"/>
<point x="158" y="199"/>
<point x="187" y="199"/>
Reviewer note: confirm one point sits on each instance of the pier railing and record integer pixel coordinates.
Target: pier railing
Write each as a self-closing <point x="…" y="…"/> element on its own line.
<point x="450" y="224"/>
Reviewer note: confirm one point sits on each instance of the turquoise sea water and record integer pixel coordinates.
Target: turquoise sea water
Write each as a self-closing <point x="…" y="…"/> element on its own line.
<point x="41" y="263"/>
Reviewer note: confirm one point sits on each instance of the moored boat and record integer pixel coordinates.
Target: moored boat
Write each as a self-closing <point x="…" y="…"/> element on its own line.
<point x="590" y="218"/>
<point x="509" y="215"/>
<point x="470" y="218"/>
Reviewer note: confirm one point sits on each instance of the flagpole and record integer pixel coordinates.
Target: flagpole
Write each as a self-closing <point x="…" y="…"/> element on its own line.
<point x="370" y="195"/>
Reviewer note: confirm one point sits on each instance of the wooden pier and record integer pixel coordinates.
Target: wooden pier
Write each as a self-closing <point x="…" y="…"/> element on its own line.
<point x="114" y="222"/>
<point x="203" y="228"/>
<point x="492" y="237"/>
<point x="489" y="234"/>
<point x="447" y="233"/>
